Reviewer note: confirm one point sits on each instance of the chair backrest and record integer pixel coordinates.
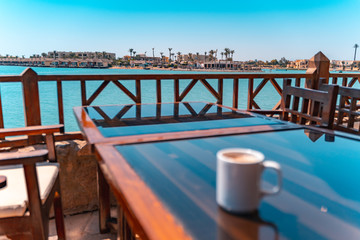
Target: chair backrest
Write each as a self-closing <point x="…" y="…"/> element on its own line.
<point x="317" y="107"/>
<point x="347" y="116"/>
<point x="48" y="131"/>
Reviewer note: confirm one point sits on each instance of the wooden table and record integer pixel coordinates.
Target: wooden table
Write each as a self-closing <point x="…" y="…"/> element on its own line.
<point x="144" y="123"/>
<point x="168" y="187"/>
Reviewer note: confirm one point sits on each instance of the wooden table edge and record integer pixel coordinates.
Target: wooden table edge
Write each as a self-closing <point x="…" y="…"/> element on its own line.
<point x="87" y="126"/>
<point x="145" y="138"/>
<point x="93" y="135"/>
<point x="130" y="190"/>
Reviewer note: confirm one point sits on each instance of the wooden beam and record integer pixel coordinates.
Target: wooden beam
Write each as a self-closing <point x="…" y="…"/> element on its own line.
<point x="138" y="90"/>
<point x="31" y="97"/>
<point x="276" y="86"/>
<point x="31" y="101"/>
<point x="122" y="112"/>
<point x="235" y="93"/>
<point x="83" y="93"/>
<point x="187" y="89"/>
<point x="60" y="101"/>
<point x="220" y="90"/>
<point x="250" y="93"/>
<point x="125" y="90"/>
<point x="158" y="90"/>
<point x="259" y="87"/>
<point x="210" y="88"/>
<point x="176" y="90"/>
<point x="1" y="113"/>
<point x="97" y="92"/>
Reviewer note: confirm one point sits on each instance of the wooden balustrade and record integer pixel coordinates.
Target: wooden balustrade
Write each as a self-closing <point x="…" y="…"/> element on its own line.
<point x="30" y="81"/>
<point x="347" y="79"/>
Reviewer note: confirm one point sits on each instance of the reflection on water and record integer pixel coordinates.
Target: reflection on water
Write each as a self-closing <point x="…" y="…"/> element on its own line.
<point x="127" y="120"/>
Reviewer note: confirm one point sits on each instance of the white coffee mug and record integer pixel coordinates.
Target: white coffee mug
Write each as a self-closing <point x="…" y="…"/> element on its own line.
<point x="238" y="179"/>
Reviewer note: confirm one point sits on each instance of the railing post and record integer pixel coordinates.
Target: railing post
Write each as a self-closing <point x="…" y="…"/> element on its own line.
<point x="176" y="90"/>
<point x="250" y="94"/>
<point x="30" y="88"/>
<point x="319" y="66"/>
<point x="138" y="90"/>
<point x="220" y="91"/>
<point x="1" y="113"/>
<point x="235" y="93"/>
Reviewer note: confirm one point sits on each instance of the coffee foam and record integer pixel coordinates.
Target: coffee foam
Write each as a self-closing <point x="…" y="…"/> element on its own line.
<point x="240" y="157"/>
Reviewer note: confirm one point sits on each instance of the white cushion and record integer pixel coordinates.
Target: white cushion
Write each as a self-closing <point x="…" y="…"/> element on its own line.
<point x="13" y="197"/>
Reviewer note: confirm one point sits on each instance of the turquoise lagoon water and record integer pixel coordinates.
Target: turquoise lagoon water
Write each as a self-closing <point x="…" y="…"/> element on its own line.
<point x="12" y="101"/>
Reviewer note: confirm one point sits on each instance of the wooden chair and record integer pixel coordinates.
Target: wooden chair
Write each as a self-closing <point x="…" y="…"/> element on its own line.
<point x="347" y="115"/>
<point x="32" y="186"/>
<point x="317" y="107"/>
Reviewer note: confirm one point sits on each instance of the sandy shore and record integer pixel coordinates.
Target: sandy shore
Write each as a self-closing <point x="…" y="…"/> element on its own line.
<point x="187" y="69"/>
<point x="222" y="70"/>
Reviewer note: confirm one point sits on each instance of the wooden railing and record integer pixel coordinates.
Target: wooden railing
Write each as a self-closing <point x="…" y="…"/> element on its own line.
<point x="344" y="79"/>
<point x="30" y="88"/>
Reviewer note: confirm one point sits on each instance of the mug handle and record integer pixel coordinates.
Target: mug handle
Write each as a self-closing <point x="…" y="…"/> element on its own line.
<point x="277" y="168"/>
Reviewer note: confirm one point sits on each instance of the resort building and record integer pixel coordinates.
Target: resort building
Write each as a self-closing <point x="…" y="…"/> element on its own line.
<point x="82" y="55"/>
<point x="195" y="58"/>
<point x="345" y="64"/>
<point x="222" y="64"/>
<point x="59" y="62"/>
<point x="299" y="64"/>
<point x="143" y="57"/>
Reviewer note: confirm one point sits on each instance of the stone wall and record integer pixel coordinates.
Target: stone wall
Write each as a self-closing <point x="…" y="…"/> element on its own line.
<point x="77" y="176"/>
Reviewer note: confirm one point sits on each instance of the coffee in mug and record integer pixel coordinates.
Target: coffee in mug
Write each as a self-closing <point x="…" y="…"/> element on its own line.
<point x="238" y="179"/>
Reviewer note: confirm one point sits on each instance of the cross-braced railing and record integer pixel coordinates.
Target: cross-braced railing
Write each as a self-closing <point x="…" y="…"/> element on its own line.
<point x="255" y="83"/>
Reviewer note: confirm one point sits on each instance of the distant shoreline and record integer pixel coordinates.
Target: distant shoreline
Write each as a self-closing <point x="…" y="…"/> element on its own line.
<point x="224" y="70"/>
<point x="186" y="69"/>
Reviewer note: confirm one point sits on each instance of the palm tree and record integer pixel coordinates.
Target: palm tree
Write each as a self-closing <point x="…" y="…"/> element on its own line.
<point x="153" y="52"/>
<point x="222" y="55"/>
<point x="205" y="53"/>
<point x="170" y="54"/>
<point x="232" y="54"/>
<point x="355" y="46"/>
<point x="190" y="57"/>
<point x="131" y="51"/>
<point x="134" y="53"/>
<point x="211" y="53"/>
<point x="227" y="52"/>
<point x="161" y="54"/>
<point x="179" y="56"/>
<point x="215" y="52"/>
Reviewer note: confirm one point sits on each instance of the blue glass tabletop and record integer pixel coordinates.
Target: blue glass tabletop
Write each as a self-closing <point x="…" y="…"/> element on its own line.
<point x="127" y="120"/>
<point x="320" y="198"/>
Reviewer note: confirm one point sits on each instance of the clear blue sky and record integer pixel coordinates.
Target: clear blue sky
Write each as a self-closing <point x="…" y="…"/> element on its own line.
<point x="261" y="29"/>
